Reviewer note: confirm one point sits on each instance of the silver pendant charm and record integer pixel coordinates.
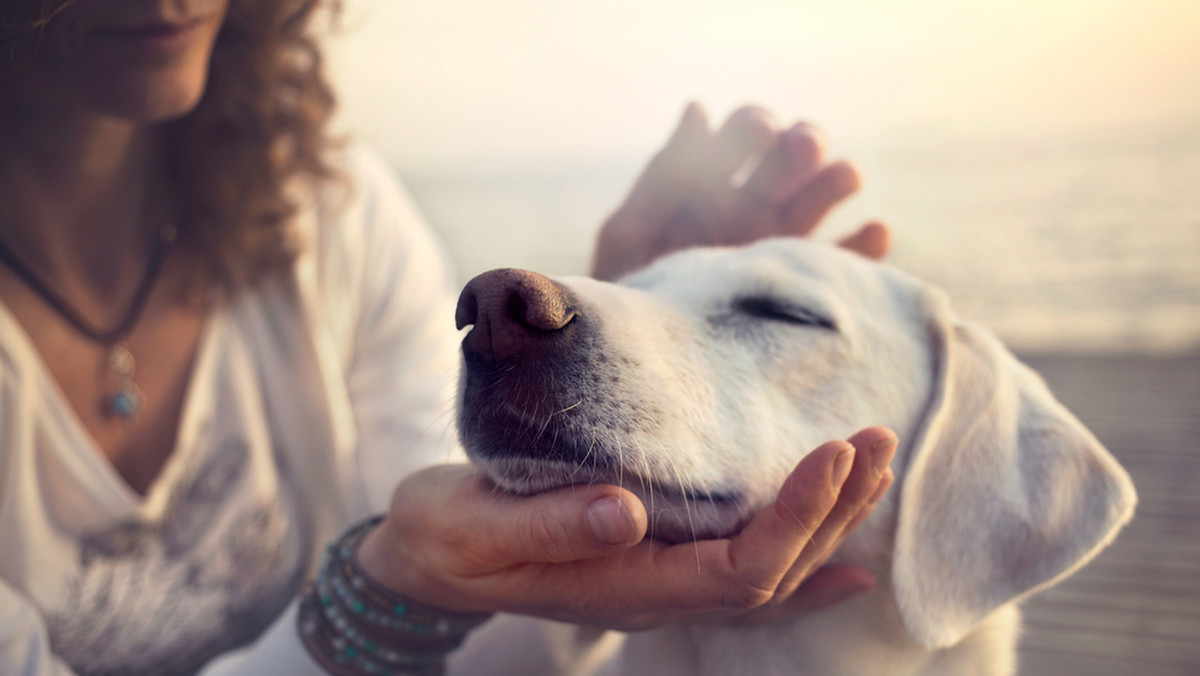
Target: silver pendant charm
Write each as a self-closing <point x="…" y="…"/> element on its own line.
<point x="127" y="401"/>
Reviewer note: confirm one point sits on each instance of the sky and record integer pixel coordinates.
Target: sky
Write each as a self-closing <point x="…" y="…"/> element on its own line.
<point x="467" y="82"/>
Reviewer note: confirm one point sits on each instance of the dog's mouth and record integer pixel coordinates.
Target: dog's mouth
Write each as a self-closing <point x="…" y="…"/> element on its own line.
<point x="677" y="513"/>
<point x="531" y="438"/>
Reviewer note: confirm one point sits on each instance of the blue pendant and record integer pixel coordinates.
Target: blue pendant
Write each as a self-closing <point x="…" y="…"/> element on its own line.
<point x="127" y="403"/>
<point x="128" y="400"/>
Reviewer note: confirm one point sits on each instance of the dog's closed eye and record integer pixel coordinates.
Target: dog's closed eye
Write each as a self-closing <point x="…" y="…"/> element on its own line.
<point x="780" y="310"/>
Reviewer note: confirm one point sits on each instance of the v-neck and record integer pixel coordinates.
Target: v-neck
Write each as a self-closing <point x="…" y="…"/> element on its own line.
<point x="95" y="469"/>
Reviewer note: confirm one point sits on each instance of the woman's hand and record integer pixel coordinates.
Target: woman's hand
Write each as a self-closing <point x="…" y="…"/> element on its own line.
<point x="454" y="541"/>
<point x="687" y="195"/>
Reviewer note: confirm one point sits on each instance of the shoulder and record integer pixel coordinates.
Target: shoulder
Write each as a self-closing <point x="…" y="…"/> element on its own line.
<point x="367" y="205"/>
<point x="373" y="259"/>
<point x="363" y="229"/>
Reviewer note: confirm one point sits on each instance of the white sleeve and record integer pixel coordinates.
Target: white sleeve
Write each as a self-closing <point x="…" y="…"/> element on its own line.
<point x="401" y="360"/>
<point x="386" y="290"/>
<point x="24" y="644"/>
<point x="25" y="648"/>
<point x="390" y="293"/>
<point x="278" y="652"/>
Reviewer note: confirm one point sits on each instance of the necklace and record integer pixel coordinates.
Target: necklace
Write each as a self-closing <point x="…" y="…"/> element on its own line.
<point x="126" y="400"/>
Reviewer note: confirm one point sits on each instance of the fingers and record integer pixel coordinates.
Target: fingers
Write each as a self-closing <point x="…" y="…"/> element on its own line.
<point x="869" y="477"/>
<point x="875" y="447"/>
<point x="767" y="547"/>
<point x="454" y="541"/>
<point x="477" y="529"/>
<point x="885" y="482"/>
<point x="653" y="583"/>
<point x="741" y="572"/>
<point x="872" y="240"/>
<point x="686" y="194"/>
<point x="828" y="586"/>
<point x="675" y="162"/>
<point x="747" y="131"/>
<point x="569" y="524"/>
<point x="693" y="152"/>
<point x="643" y="226"/>
<point x="662" y="186"/>
<point x="828" y="187"/>
<point x="826" y="492"/>
<point x="789" y="164"/>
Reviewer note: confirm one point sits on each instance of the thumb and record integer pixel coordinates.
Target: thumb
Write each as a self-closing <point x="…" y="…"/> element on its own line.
<point x="570" y="524"/>
<point x="662" y="185"/>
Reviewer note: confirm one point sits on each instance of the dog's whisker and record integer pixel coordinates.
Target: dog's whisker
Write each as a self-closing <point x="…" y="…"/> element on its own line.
<point x="572" y="406"/>
<point x="541" y="430"/>
<point x="673" y="469"/>
<point x="580" y="465"/>
<point x="799" y="522"/>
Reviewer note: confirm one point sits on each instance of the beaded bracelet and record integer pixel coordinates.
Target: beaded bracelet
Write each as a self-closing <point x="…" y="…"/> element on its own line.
<point x="353" y="625"/>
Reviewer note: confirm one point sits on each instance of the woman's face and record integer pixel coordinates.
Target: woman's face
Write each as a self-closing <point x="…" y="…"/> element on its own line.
<point x="141" y="60"/>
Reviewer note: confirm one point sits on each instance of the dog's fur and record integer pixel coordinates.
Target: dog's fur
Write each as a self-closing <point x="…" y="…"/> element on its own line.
<point x="699" y="383"/>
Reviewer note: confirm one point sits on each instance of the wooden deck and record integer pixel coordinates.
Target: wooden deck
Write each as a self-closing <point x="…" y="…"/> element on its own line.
<point x="1135" y="610"/>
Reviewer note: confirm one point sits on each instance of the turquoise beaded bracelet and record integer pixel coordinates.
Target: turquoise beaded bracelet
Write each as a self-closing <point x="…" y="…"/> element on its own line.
<point x="353" y="625"/>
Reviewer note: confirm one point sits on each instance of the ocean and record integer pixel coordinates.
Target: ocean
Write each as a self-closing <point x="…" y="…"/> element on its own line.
<point x="1059" y="246"/>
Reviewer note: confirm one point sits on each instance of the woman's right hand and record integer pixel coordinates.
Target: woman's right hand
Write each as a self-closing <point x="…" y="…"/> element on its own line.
<point x="687" y="195"/>
<point x="452" y="540"/>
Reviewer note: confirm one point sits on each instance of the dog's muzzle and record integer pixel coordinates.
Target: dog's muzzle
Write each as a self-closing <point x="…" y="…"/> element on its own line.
<point x="528" y="366"/>
<point x="546" y="402"/>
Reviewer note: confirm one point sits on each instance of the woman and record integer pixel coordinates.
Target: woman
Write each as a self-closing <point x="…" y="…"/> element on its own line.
<point x="223" y="341"/>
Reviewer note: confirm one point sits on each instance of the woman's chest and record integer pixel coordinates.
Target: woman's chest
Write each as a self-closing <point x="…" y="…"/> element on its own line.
<point x="127" y="396"/>
<point x="155" y="583"/>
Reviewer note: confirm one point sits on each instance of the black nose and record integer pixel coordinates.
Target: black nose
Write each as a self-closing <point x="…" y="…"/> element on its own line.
<point x="514" y="312"/>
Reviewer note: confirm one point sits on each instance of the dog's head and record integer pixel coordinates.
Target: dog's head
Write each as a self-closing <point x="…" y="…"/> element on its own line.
<point x="701" y="381"/>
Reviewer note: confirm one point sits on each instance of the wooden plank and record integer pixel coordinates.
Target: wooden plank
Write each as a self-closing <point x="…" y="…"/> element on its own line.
<point x="1136" y="608"/>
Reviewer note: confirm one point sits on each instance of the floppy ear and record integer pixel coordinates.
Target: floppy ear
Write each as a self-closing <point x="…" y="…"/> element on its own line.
<point x="1005" y="493"/>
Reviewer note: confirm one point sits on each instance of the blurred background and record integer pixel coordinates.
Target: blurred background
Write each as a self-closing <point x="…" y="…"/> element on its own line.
<point x="1039" y="159"/>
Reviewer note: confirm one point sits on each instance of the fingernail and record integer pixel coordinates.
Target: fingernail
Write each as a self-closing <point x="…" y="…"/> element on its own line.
<point x="882" y="488"/>
<point x="610" y="521"/>
<point x="881" y="455"/>
<point x="841" y="467"/>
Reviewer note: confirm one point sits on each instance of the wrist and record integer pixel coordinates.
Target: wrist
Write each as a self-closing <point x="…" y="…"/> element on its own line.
<point x="372" y="557"/>
<point x="392" y="565"/>
<point x="352" y="623"/>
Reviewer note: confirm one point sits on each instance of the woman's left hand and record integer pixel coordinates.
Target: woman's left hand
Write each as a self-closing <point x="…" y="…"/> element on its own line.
<point x="579" y="554"/>
<point x="687" y="195"/>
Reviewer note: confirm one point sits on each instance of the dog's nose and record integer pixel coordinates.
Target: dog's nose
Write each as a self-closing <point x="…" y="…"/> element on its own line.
<point x="513" y="311"/>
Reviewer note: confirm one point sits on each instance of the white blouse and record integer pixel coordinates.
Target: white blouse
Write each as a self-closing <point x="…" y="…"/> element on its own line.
<point x="310" y="397"/>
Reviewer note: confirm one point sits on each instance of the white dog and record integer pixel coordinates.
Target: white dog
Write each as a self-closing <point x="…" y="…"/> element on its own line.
<point x="701" y="381"/>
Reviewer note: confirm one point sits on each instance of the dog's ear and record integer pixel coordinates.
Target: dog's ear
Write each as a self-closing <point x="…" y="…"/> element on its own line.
<point x="1005" y="491"/>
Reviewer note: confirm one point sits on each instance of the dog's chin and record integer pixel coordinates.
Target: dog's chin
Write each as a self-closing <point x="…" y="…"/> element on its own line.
<point x="676" y="513"/>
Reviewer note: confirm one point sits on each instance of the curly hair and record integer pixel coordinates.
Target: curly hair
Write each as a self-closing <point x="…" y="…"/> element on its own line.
<point x="234" y="161"/>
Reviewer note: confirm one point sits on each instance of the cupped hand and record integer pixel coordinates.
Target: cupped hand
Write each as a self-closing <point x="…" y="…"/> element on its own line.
<point x="455" y="542"/>
<point x="692" y="194"/>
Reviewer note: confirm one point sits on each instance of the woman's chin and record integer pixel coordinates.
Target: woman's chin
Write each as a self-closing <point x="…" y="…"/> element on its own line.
<point x="152" y="97"/>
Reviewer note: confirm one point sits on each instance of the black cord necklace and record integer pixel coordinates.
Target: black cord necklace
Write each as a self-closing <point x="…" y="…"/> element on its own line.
<point x="127" y="399"/>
